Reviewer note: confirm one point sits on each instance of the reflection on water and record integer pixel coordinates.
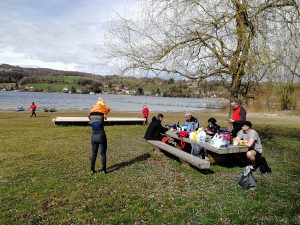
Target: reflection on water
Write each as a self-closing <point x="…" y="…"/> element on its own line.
<point x="61" y="101"/>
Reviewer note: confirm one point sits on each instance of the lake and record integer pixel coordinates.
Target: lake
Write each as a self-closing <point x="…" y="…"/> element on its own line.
<point x="10" y="100"/>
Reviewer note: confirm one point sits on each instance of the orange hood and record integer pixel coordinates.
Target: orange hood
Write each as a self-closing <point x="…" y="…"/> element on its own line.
<point x="101" y="107"/>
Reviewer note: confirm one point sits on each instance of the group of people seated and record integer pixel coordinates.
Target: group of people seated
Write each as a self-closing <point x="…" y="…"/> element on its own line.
<point x="155" y="129"/>
<point x="241" y="130"/>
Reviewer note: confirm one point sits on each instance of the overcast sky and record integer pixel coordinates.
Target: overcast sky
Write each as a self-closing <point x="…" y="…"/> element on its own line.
<point x="57" y="34"/>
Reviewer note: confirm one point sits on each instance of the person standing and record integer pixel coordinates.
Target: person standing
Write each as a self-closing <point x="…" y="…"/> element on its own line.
<point x="238" y="117"/>
<point x="145" y="111"/>
<point x="33" y="109"/>
<point x="251" y="139"/>
<point x="155" y="129"/>
<point x="97" y="115"/>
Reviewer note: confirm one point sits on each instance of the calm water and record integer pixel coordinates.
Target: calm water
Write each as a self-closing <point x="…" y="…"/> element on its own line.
<point x="10" y="100"/>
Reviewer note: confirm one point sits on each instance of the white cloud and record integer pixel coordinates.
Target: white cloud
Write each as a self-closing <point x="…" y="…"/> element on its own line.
<point x="60" y="34"/>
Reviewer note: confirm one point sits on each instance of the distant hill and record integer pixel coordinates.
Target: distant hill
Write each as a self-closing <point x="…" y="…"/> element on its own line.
<point x="14" y="74"/>
<point x="49" y="80"/>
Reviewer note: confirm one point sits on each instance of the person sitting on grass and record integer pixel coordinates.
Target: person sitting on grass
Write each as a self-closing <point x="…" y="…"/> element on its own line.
<point x="155" y="129"/>
<point x="212" y="127"/>
<point x="251" y="139"/>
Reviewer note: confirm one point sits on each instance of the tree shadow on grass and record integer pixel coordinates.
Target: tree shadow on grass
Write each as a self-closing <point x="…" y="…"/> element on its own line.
<point x="121" y="165"/>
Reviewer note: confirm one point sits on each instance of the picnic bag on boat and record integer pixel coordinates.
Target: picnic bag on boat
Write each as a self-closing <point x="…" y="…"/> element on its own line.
<point x="246" y="179"/>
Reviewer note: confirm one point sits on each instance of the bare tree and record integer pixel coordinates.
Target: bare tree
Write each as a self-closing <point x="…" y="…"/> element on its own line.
<point x="229" y="40"/>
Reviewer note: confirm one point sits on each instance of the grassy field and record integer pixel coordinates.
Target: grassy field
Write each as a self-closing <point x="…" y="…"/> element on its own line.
<point x="45" y="179"/>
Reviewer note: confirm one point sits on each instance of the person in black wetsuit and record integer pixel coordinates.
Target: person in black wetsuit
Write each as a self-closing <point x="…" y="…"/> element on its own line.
<point x="98" y="139"/>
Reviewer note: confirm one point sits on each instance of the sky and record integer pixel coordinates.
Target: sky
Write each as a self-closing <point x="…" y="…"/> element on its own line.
<point x="58" y="34"/>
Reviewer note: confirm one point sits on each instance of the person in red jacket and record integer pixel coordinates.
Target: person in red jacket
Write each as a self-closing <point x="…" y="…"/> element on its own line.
<point x="238" y="117"/>
<point x="33" y="109"/>
<point x="145" y="112"/>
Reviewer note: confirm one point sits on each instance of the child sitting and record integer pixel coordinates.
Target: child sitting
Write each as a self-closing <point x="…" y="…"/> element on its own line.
<point x="212" y="127"/>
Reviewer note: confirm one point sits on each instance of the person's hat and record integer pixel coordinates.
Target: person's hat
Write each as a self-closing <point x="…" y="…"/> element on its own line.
<point x="247" y="123"/>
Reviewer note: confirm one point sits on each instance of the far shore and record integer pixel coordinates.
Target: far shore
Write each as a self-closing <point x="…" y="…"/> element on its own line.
<point x="291" y="118"/>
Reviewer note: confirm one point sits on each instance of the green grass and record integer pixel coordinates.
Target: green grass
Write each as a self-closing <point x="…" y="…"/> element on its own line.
<point x="53" y="86"/>
<point x="67" y="79"/>
<point x="44" y="177"/>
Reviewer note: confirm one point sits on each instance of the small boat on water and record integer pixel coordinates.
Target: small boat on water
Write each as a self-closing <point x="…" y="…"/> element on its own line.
<point x="20" y="109"/>
<point x="49" y="110"/>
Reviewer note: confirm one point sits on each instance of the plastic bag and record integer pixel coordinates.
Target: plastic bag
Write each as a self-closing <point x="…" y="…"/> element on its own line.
<point x="216" y="141"/>
<point x="192" y="136"/>
<point x="201" y="136"/>
<point x="246" y="179"/>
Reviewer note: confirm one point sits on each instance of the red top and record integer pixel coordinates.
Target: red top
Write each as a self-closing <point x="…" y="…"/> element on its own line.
<point x="33" y="107"/>
<point x="145" y="111"/>
<point x="239" y="114"/>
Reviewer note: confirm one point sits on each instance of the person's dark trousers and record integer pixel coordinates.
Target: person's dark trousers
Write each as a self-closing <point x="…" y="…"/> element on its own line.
<point x="95" y="148"/>
<point x="33" y="113"/>
<point x="236" y="128"/>
<point x="257" y="160"/>
<point x="146" y="120"/>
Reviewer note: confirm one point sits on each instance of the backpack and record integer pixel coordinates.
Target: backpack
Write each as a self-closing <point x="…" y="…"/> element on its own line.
<point x="246" y="179"/>
<point x="263" y="166"/>
<point x="197" y="150"/>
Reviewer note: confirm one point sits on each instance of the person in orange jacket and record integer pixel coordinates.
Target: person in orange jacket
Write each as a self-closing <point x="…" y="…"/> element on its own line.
<point x="97" y="115"/>
<point x="33" y="109"/>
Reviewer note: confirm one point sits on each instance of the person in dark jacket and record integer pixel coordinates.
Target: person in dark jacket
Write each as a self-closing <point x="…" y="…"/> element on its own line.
<point x="155" y="129"/>
<point x="212" y="127"/>
<point x="98" y="140"/>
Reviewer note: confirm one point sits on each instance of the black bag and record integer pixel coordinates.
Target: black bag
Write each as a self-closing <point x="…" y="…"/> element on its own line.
<point x="264" y="167"/>
<point x="246" y="179"/>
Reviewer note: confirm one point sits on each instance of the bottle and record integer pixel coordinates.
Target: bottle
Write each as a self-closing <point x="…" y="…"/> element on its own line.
<point x="177" y="126"/>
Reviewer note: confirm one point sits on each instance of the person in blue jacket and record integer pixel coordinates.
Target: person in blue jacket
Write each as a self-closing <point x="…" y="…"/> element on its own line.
<point x="191" y="123"/>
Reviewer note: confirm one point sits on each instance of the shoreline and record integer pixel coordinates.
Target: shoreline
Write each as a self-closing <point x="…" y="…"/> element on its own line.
<point x="257" y="118"/>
